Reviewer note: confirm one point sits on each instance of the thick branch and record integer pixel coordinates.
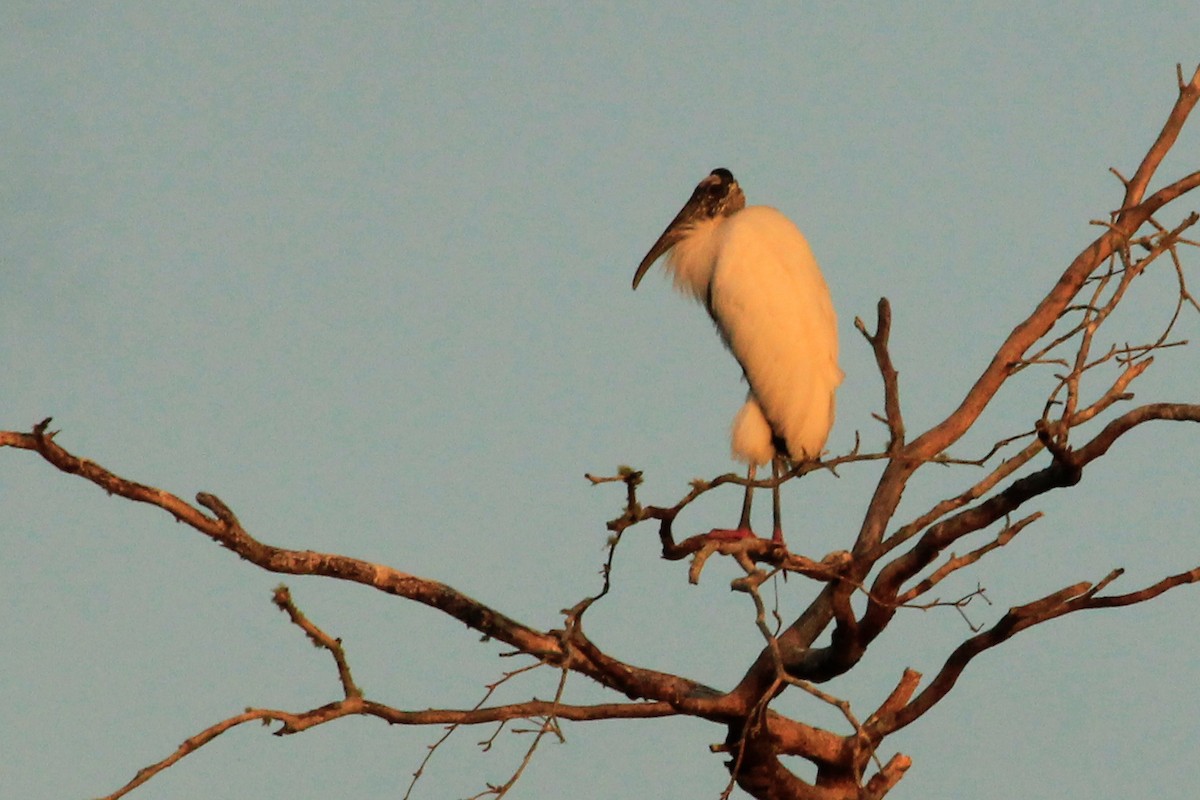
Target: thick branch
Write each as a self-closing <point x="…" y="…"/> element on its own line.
<point x="1189" y="93"/>
<point x="531" y="708"/>
<point x="1079" y="597"/>
<point x="1065" y="470"/>
<point x="1009" y="355"/>
<point x="226" y="531"/>
<point x="1099" y="445"/>
<point x="689" y="696"/>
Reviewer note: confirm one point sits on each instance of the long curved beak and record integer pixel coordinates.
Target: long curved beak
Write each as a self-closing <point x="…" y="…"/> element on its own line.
<point x="666" y="241"/>
<point x="716" y="194"/>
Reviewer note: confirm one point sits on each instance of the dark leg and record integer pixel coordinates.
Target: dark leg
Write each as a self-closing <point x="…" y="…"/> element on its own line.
<point x="744" y="523"/>
<point x="743" y="530"/>
<point x="776" y="471"/>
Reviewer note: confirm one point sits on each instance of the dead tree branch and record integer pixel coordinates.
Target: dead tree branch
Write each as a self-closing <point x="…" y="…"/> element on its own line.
<point x="892" y="564"/>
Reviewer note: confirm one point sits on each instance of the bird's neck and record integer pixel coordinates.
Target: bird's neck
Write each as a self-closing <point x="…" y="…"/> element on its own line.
<point x="693" y="257"/>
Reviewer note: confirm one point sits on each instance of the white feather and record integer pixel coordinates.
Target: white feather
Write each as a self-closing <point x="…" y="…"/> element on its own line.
<point x="693" y="258"/>
<point x="767" y="296"/>
<point x="750" y="435"/>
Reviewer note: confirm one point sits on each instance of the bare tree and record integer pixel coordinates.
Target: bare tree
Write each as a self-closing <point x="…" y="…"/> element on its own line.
<point x="891" y="564"/>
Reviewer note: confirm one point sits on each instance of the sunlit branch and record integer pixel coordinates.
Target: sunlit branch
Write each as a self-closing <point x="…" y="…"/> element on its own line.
<point x="225" y="529"/>
<point x="887" y="370"/>
<point x="955" y="563"/>
<point x="283" y="599"/>
<point x="1079" y="597"/>
<point x="1065" y="329"/>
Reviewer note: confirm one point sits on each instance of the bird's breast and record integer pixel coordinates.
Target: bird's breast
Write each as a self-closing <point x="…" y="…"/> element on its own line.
<point x="694" y="257"/>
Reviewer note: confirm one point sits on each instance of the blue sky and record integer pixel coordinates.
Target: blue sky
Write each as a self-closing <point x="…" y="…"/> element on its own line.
<point x="362" y="270"/>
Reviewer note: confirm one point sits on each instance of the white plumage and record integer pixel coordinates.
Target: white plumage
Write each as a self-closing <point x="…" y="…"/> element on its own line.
<point x="754" y="272"/>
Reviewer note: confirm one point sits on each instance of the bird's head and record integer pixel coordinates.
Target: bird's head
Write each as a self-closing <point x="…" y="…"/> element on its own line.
<point x="718" y="195"/>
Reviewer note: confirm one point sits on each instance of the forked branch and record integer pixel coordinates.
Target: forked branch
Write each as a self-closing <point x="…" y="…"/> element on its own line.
<point x="756" y="735"/>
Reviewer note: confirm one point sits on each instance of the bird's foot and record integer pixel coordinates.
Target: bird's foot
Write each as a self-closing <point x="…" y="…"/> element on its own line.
<point x="738" y="534"/>
<point x="731" y="534"/>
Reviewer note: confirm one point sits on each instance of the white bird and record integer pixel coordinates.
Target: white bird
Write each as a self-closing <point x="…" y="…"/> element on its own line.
<point x="754" y="272"/>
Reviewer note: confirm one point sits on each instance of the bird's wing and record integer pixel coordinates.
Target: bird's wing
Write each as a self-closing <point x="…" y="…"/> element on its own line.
<point x="774" y="311"/>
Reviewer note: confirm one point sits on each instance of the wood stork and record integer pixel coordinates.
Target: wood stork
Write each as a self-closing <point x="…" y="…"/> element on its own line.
<point x="753" y="270"/>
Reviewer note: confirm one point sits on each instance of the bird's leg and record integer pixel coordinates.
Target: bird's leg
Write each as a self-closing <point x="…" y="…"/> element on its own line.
<point x="743" y="530"/>
<point x="776" y="471"/>
<point x="744" y="521"/>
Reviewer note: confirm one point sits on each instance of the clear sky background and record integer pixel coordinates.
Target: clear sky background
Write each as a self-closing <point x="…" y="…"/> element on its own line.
<point x="362" y="270"/>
